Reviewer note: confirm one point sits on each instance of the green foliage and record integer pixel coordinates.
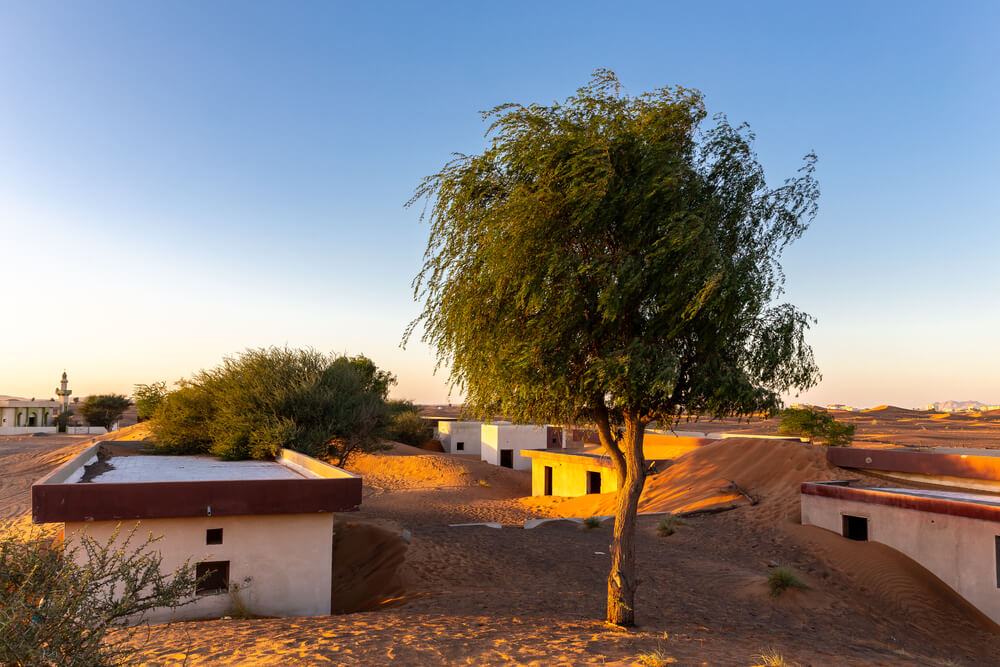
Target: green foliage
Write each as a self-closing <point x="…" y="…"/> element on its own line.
<point x="592" y="522"/>
<point x="147" y="397"/>
<point x="58" y="602"/>
<point x="407" y="427"/>
<point x="62" y="420"/>
<point x="668" y="525"/>
<point x="610" y="249"/>
<point x="257" y="402"/>
<point x="782" y="578"/>
<point x="812" y="423"/>
<point x="103" y="409"/>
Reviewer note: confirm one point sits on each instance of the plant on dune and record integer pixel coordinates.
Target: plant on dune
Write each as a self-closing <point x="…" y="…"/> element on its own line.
<point x="655" y="658"/>
<point x="592" y="522"/>
<point x="668" y="525"/>
<point x="608" y="260"/>
<point x="782" y="578"/>
<point x="58" y="601"/>
<point x="813" y="423"/>
<point x="771" y="658"/>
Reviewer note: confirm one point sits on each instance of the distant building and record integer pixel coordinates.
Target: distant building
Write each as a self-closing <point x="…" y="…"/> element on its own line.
<point x="459" y="437"/>
<point x="504" y="444"/>
<point x="22" y="415"/>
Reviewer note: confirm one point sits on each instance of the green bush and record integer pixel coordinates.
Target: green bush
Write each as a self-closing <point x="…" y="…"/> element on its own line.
<point x="257" y="402"/>
<point x="409" y="429"/>
<point x="57" y="611"/>
<point x="812" y="423"/>
<point x="782" y="578"/>
<point x="104" y="409"/>
<point x="668" y="525"/>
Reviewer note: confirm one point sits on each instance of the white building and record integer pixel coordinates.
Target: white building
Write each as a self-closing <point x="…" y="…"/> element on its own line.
<point x="22" y="415"/>
<point x="503" y="442"/>
<point x="458" y="437"/>
<point x="260" y="531"/>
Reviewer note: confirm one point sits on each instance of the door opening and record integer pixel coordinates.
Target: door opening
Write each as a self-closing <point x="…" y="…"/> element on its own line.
<point x="856" y="528"/>
<point x="507" y="458"/>
<point x="548" y="480"/>
<point x="593" y="481"/>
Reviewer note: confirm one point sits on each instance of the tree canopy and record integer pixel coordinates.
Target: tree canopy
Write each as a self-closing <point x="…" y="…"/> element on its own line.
<point x="255" y="403"/>
<point x="813" y="423"/>
<point x="609" y="259"/>
<point x="147" y="398"/>
<point x="103" y="409"/>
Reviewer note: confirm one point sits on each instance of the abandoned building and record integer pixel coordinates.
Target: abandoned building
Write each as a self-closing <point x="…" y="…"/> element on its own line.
<point x="260" y="531"/>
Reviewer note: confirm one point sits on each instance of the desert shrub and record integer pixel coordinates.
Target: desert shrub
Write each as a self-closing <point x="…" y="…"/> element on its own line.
<point x="257" y="402"/>
<point x="812" y="423"/>
<point x="148" y="397"/>
<point x="592" y="522"/>
<point x="55" y="610"/>
<point x="771" y="658"/>
<point x="668" y="525"/>
<point x="409" y="429"/>
<point x="782" y="578"/>
<point x="655" y="658"/>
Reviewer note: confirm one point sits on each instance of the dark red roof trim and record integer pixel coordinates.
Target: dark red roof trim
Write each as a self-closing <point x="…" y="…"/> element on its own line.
<point x="902" y="501"/>
<point x="926" y="463"/>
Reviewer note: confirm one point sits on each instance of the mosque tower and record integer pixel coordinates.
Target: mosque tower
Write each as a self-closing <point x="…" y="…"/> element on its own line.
<point x="64" y="393"/>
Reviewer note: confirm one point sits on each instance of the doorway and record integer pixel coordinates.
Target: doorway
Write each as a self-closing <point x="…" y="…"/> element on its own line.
<point x="507" y="458"/>
<point x="593" y="481"/>
<point x="856" y="528"/>
<point x="548" y="480"/>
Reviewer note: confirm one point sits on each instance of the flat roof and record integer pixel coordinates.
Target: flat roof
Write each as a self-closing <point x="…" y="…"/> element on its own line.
<point x="949" y="462"/>
<point x="153" y="468"/>
<point x="953" y="503"/>
<point x="119" y="482"/>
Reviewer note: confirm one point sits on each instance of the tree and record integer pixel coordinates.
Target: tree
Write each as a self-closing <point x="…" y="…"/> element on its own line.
<point x="812" y="423"/>
<point x="104" y="409"/>
<point x="609" y="260"/>
<point x="257" y="402"/>
<point x="58" y="601"/>
<point x="147" y="398"/>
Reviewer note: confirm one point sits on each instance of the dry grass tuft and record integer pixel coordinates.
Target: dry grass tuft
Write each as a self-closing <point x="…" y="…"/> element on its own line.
<point x="783" y="578"/>
<point x="668" y="525"/>
<point x="655" y="658"/>
<point x="591" y="522"/>
<point x="771" y="658"/>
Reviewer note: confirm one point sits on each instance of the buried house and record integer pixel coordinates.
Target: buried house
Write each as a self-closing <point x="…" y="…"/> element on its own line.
<point x="952" y="530"/>
<point x="259" y="532"/>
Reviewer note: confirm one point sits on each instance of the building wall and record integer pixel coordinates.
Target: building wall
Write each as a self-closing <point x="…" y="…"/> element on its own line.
<point x="569" y="478"/>
<point x="516" y="437"/>
<point x="960" y="551"/>
<point x="470" y="433"/>
<point x="281" y="564"/>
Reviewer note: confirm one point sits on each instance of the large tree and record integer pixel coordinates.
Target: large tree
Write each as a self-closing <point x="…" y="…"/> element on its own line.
<point x="104" y="409"/>
<point x="611" y="260"/>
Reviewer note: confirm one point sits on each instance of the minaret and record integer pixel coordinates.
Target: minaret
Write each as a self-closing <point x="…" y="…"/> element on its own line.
<point x="64" y="393"/>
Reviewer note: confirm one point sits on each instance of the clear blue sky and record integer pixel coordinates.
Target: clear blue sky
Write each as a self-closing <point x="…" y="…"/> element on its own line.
<point x="182" y="180"/>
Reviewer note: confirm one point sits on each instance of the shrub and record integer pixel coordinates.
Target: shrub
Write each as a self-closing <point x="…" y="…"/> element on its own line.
<point x="58" y="602"/>
<point x="812" y="423"/>
<point x="147" y="397"/>
<point x="655" y="658"/>
<point x="409" y="429"/>
<point x="668" y="525"/>
<point x="783" y="578"/>
<point x="103" y="409"/>
<point x="262" y="400"/>
<point x="592" y="522"/>
<point x="771" y="658"/>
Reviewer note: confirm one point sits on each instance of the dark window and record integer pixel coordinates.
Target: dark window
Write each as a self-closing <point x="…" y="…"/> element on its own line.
<point x="548" y="480"/>
<point x="507" y="458"/>
<point x="460" y="446"/>
<point x="856" y="528"/>
<point x="593" y="481"/>
<point x="213" y="577"/>
<point x="213" y="536"/>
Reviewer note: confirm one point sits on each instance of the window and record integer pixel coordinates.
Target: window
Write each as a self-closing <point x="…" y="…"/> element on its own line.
<point x="213" y="536"/>
<point x="856" y="528"/>
<point x="593" y="481"/>
<point x="460" y="446"/>
<point x="213" y="577"/>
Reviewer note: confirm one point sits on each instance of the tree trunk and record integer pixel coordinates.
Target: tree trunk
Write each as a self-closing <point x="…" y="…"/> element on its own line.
<point x="622" y="581"/>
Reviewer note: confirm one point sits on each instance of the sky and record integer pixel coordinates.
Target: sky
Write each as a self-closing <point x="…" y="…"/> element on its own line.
<point x="180" y="181"/>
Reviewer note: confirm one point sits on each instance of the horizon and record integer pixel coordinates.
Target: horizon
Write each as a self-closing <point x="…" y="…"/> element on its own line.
<point x="174" y="189"/>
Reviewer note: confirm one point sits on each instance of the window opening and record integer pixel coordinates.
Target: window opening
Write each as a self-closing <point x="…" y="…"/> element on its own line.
<point x="213" y="577"/>
<point x="213" y="536"/>
<point x="856" y="528"/>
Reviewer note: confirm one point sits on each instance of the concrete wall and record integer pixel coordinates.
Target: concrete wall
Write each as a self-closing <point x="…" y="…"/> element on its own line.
<point x="516" y="437"/>
<point x="469" y="433"/>
<point x="960" y="551"/>
<point x="279" y="565"/>
<point x="569" y="476"/>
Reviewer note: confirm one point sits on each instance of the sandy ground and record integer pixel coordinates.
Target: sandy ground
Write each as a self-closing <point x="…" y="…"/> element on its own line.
<point x="476" y="595"/>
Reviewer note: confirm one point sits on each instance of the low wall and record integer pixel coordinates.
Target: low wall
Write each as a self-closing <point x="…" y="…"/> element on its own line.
<point x="959" y="542"/>
<point x="968" y="469"/>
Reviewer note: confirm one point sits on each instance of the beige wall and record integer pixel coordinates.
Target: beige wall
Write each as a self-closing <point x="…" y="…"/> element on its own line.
<point x="469" y="433"/>
<point x="569" y="478"/>
<point x="958" y="550"/>
<point x="281" y="563"/>
<point x="516" y="437"/>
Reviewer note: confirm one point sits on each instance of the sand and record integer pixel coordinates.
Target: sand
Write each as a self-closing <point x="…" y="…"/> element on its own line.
<point x="476" y="595"/>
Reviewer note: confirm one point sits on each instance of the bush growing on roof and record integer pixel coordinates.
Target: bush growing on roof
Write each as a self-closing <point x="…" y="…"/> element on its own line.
<point x="255" y="403"/>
